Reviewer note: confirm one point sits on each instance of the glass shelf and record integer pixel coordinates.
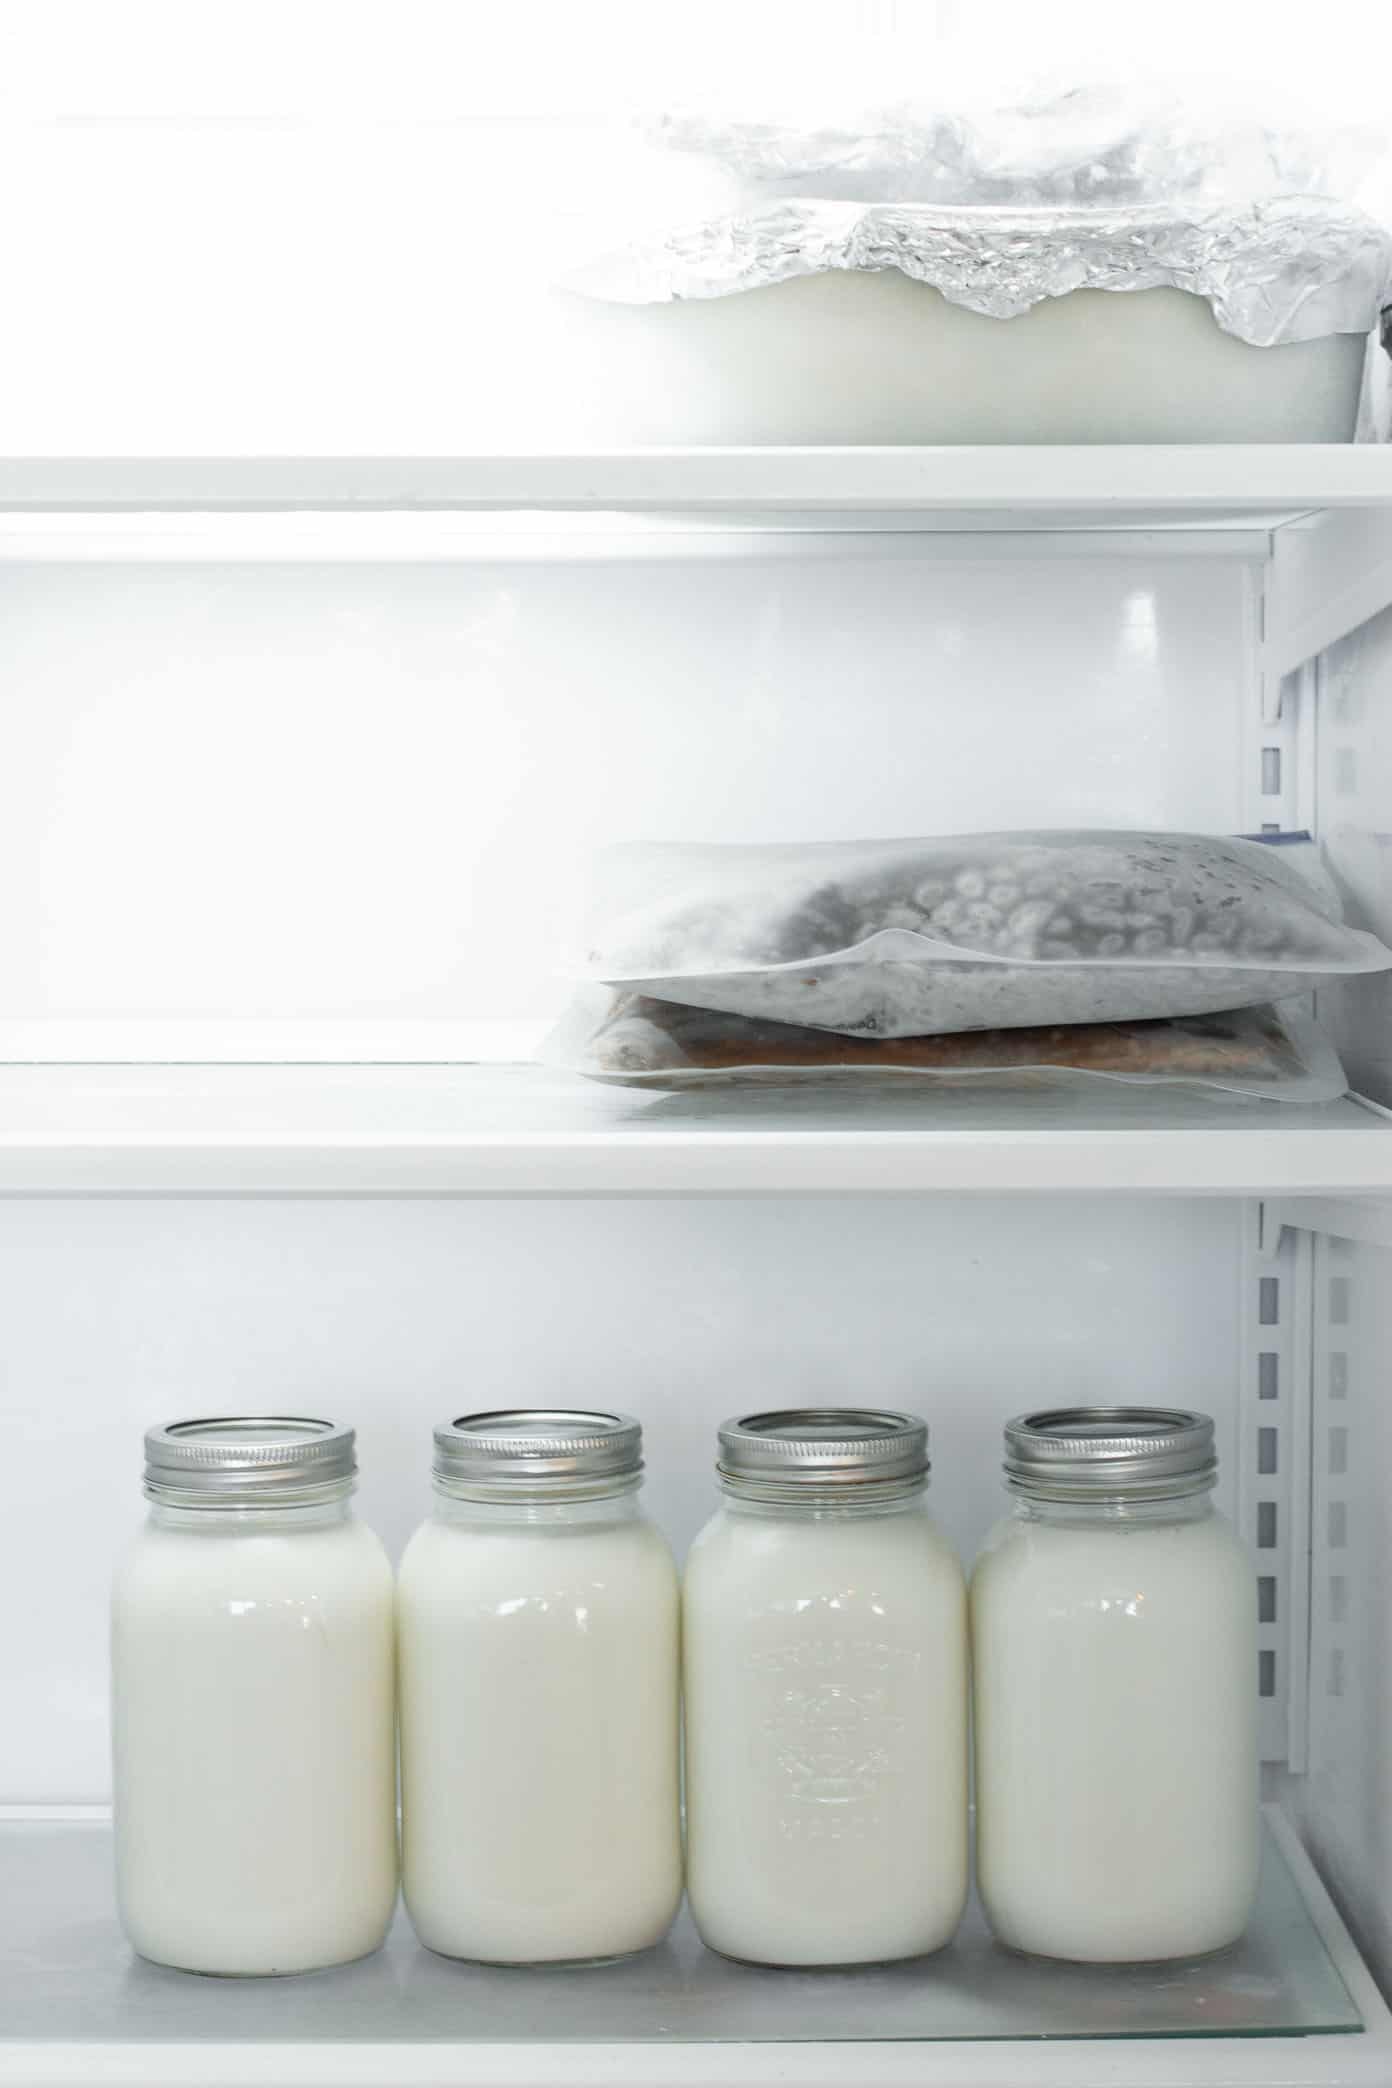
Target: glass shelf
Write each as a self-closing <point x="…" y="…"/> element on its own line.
<point x="490" y="1130"/>
<point x="993" y="485"/>
<point x="66" y="1974"/>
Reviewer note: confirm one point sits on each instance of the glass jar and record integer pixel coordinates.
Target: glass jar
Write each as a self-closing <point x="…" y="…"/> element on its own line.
<point x="537" y="1619"/>
<point x="252" y="1704"/>
<point x="1114" y="1636"/>
<point x="824" y="1627"/>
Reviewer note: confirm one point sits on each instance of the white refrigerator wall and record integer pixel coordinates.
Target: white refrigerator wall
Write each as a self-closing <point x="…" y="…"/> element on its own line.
<point x="1343" y="1801"/>
<point x="395" y="1316"/>
<point x="365" y="791"/>
<point x="1353" y="811"/>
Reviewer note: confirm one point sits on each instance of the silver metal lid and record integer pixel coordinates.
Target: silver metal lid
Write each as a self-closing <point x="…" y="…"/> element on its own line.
<point x="249" y="1461"/>
<point x="1089" y="1453"/>
<point x="829" y="1448"/>
<point x="538" y="1451"/>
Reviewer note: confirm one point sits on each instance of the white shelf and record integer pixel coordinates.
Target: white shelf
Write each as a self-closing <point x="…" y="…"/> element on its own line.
<point x="499" y="1130"/>
<point x="77" y="2007"/>
<point x="1005" y="486"/>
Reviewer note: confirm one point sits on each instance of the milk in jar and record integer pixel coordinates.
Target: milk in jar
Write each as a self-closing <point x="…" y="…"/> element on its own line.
<point x="252" y="1704"/>
<point x="1115" y="1647"/>
<point x="537" y="1622"/>
<point x="824" y="1630"/>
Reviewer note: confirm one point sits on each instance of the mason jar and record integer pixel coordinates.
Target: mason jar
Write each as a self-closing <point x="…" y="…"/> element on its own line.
<point x="252" y="1704"/>
<point x="537" y="1617"/>
<point x="1115" y="1643"/>
<point x="824" y="1623"/>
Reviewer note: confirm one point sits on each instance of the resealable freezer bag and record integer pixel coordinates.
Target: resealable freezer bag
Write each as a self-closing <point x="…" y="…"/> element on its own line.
<point x="629" y="1040"/>
<point x="981" y="931"/>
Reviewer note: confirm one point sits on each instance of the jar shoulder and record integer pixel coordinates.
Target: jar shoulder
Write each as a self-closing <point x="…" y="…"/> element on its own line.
<point x="907" y="1550"/>
<point x="1022" y="1551"/>
<point x="484" y="1557"/>
<point x="177" y="1566"/>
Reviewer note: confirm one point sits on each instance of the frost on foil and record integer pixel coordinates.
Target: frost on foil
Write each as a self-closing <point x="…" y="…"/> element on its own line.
<point x="1104" y="142"/>
<point x="1292" y="268"/>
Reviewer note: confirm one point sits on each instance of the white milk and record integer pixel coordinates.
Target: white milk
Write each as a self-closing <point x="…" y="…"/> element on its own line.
<point x="1116" y="1751"/>
<point x="861" y="356"/>
<point x="826" y="1728"/>
<point x="254" y="1742"/>
<point x="539" y="1722"/>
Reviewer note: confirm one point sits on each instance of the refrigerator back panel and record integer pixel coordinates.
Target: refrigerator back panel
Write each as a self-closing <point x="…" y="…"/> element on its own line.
<point x="366" y="791"/>
<point x="395" y="1316"/>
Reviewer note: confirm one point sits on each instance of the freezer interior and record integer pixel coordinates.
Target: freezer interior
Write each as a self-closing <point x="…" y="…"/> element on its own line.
<point x="316" y="792"/>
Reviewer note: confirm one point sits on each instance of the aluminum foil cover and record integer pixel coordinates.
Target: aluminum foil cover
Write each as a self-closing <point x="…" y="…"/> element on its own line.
<point x="1103" y="142"/>
<point x="1290" y="268"/>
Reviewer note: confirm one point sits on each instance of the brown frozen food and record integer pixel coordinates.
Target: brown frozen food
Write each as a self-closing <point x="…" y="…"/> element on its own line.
<point x="636" y="1040"/>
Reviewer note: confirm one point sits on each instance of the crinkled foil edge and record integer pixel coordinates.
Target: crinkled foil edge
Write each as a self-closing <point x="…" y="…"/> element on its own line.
<point x="1290" y="269"/>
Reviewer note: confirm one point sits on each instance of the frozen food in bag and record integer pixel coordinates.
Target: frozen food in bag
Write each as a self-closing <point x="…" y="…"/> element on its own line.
<point x="628" y="1040"/>
<point x="981" y="931"/>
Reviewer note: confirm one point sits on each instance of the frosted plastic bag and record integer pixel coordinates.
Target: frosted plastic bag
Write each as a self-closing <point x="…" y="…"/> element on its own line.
<point x="984" y="931"/>
<point x="628" y="1040"/>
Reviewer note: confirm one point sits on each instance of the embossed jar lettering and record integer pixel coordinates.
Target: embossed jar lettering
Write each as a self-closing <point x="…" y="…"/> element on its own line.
<point x="826" y="1698"/>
